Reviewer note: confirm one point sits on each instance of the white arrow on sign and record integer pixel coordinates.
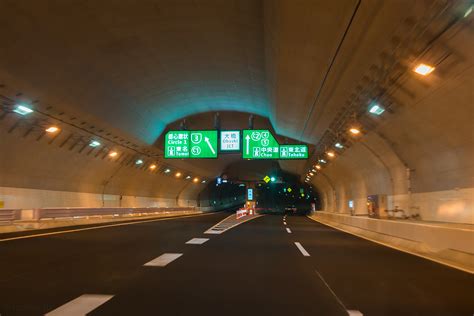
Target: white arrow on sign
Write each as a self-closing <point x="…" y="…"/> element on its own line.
<point x="247" y="146"/>
<point x="206" y="139"/>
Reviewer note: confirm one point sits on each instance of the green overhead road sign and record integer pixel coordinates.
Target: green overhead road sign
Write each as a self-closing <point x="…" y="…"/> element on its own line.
<point x="293" y="152"/>
<point x="177" y="144"/>
<point x="203" y="144"/>
<point x="259" y="144"/>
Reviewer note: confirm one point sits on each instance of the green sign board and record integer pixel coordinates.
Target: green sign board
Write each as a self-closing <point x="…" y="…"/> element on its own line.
<point x="203" y="144"/>
<point x="293" y="152"/>
<point x="191" y="144"/>
<point x="177" y="144"/>
<point x="259" y="144"/>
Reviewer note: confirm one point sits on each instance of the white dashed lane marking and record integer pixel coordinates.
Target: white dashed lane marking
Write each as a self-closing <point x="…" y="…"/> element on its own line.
<point x="80" y="306"/>
<point x="163" y="260"/>
<point x="197" y="241"/>
<point x="288" y="230"/>
<point x="354" y="313"/>
<point x="303" y="251"/>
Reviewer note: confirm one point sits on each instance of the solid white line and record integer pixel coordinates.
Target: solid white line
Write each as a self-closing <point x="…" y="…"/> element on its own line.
<point x="303" y="251"/>
<point x="163" y="260"/>
<point x="354" y="313"/>
<point x="103" y="226"/>
<point x="288" y="230"/>
<point x="197" y="241"/>
<point x="80" y="306"/>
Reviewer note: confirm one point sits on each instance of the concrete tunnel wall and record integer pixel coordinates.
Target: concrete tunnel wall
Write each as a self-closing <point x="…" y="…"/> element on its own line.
<point x="34" y="174"/>
<point x="421" y="157"/>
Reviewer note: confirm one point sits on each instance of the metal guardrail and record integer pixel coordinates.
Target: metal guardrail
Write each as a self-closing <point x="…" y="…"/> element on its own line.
<point x="9" y="215"/>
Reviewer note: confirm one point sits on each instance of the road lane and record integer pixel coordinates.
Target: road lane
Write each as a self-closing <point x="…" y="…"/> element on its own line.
<point x="40" y="274"/>
<point x="253" y="269"/>
<point x="378" y="280"/>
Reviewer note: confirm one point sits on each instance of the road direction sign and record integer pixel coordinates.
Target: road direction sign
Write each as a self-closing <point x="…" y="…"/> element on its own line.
<point x="230" y="140"/>
<point x="203" y="144"/>
<point x="266" y="179"/>
<point x="177" y="144"/>
<point x="260" y="144"/>
<point x="293" y="152"/>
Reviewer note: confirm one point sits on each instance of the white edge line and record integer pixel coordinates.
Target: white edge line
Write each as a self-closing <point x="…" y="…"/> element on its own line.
<point x="395" y="247"/>
<point x="211" y="231"/>
<point x="80" y="305"/>
<point x="301" y="249"/>
<point x="103" y="226"/>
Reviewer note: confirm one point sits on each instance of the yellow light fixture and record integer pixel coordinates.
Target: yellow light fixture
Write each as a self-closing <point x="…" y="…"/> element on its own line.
<point x="153" y="167"/>
<point x="424" y="69"/>
<point x="195" y="180"/>
<point x="178" y="174"/>
<point x="113" y="154"/>
<point x="52" y="129"/>
<point x="331" y="154"/>
<point x="318" y="167"/>
<point x="354" y="131"/>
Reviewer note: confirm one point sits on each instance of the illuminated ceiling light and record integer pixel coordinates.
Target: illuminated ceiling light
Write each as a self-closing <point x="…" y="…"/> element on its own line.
<point x="318" y="167"/>
<point x="188" y="177"/>
<point x="94" y="143"/>
<point x="167" y="170"/>
<point x="424" y="69"/>
<point x="322" y="161"/>
<point x="312" y="174"/>
<point x="468" y="11"/>
<point x="22" y="110"/>
<point x="376" y="109"/>
<point x="272" y="179"/>
<point x="195" y="180"/>
<point x="331" y="154"/>
<point x="339" y="145"/>
<point x="152" y="167"/>
<point x="354" y="131"/>
<point x="139" y="162"/>
<point x="113" y="154"/>
<point x="178" y="174"/>
<point x="313" y="170"/>
<point x="52" y="129"/>
<point x="203" y="181"/>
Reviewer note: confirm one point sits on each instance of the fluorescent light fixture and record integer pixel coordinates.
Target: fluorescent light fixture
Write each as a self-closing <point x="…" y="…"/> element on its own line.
<point x="424" y="69"/>
<point x="312" y="174"/>
<point x="322" y="161"/>
<point x="139" y="162"/>
<point x="318" y="167"/>
<point x="94" y="143"/>
<point x="468" y="11"/>
<point x="52" y="129"/>
<point x="313" y="170"/>
<point x="22" y="110"/>
<point x="177" y="174"/>
<point x="339" y="145"/>
<point x="188" y="177"/>
<point x="152" y="167"/>
<point x="354" y="131"/>
<point x="376" y="109"/>
<point x="113" y="154"/>
<point x="167" y="170"/>
<point x="203" y="181"/>
<point x="331" y="154"/>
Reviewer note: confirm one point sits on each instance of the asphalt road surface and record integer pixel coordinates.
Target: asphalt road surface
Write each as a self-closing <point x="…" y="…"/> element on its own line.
<point x="261" y="267"/>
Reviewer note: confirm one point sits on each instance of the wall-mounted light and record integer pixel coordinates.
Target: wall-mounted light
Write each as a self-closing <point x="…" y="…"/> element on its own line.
<point x="52" y="129"/>
<point x="376" y="109"/>
<point x="22" y="109"/>
<point x="322" y="161"/>
<point x="318" y="167"/>
<point x="311" y="174"/>
<point x="152" y="167"/>
<point x="167" y="170"/>
<point x="339" y="145"/>
<point x="139" y="162"/>
<point x="195" y="180"/>
<point x="177" y="174"/>
<point x="424" y="69"/>
<point x="188" y="177"/>
<point x="203" y="181"/>
<point x="331" y="154"/>
<point x="113" y="154"/>
<point x="354" y="131"/>
<point x="94" y="143"/>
